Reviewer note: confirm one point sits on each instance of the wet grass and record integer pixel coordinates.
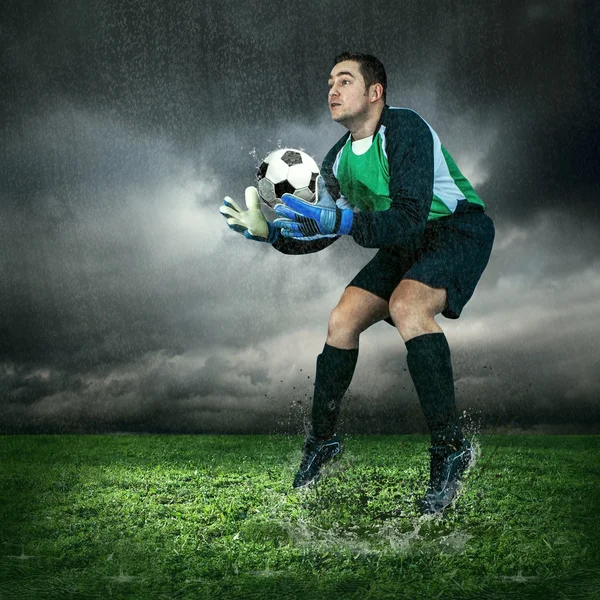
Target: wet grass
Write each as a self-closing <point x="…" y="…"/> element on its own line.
<point x="215" y="517"/>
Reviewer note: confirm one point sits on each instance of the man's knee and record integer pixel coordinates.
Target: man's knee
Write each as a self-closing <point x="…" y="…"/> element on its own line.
<point x="412" y="299"/>
<point x="406" y="310"/>
<point x="413" y="307"/>
<point x="343" y="321"/>
<point x="356" y="311"/>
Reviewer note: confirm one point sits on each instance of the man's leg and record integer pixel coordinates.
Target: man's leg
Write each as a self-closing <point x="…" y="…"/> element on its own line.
<point x="356" y="311"/>
<point x="413" y="306"/>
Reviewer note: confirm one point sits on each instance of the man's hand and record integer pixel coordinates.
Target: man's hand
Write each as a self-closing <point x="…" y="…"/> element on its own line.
<point x="305" y="221"/>
<point x="251" y="223"/>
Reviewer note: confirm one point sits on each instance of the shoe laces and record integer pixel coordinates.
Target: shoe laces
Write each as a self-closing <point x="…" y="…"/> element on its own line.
<point x="312" y="446"/>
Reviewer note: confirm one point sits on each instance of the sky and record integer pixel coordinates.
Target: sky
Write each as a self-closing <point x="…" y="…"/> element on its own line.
<point x="126" y="303"/>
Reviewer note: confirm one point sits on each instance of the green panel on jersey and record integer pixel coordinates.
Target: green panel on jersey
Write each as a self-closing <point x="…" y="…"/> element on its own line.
<point x="365" y="178"/>
<point x="460" y="180"/>
<point x="438" y="209"/>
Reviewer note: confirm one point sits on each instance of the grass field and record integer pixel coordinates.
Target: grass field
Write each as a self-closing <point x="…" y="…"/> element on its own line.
<point x="215" y="517"/>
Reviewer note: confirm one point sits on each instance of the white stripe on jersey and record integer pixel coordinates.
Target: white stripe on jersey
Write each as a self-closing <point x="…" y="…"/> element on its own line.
<point x="342" y="201"/>
<point x="444" y="186"/>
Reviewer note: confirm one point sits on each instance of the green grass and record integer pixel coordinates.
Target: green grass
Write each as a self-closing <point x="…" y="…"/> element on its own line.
<point x="215" y="517"/>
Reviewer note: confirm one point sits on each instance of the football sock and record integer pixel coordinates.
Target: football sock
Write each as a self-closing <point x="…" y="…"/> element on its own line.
<point x="430" y="367"/>
<point x="335" y="368"/>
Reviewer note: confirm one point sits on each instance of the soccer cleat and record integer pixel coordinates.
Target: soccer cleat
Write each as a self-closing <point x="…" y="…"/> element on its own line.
<point x="448" y="465"/>
<point x="316" y="454"/>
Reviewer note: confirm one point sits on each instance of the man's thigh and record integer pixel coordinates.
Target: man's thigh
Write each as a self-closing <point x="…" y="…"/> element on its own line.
<point x="414" y="297"/>
<point x="361" y="308"/>
<point x="453" y="256"/>
<point x="382" y="274"/>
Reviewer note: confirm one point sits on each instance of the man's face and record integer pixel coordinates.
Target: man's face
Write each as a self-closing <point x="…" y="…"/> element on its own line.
<point x="347" y="92"/>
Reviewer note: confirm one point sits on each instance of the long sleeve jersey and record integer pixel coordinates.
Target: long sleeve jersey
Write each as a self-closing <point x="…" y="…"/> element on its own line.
<point x="395" y="181"/>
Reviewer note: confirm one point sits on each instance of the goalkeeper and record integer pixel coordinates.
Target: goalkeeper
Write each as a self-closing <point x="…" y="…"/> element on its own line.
<point x="390" y="184"/>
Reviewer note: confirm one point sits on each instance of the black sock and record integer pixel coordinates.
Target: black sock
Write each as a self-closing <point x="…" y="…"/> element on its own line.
<point x="335" y="368"/>
<point x="430" y="367"/>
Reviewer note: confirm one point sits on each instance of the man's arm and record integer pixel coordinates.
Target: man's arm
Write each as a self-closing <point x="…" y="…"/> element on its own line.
<point x="291" y="246"/>
<point x="326" y="171"/>
<point x="409" y="145"/>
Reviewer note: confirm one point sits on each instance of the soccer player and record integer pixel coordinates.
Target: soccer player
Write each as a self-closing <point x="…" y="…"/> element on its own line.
<point x="390" y="184"/>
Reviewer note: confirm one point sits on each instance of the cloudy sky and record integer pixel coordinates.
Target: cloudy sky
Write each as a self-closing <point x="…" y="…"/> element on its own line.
<point x="126" y="304"/>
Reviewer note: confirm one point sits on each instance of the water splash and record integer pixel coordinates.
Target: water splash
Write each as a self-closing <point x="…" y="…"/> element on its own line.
<point x="22" y="556"/>
<point x="397" y="536"/>
<point x="519" y="578"/>
<point x="254" y="154"/>
<point x="471" y="423"/>
<point x="454" y="543"/>
<point x="398" y="540"/>
<point x="123" y="578"/>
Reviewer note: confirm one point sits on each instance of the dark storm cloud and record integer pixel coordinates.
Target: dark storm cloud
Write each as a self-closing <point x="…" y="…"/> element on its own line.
<point x="101" y="265"/>
<point x="525" y="68"/>
<point x="127" y="304"/>
<point x="530" y="67"/>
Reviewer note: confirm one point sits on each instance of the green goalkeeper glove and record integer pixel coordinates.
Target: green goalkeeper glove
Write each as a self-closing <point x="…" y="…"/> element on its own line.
<point x="251" y="223"/>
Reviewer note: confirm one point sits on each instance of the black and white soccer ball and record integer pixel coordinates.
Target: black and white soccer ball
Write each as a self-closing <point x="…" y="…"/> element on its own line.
<point x="287" y="171"/>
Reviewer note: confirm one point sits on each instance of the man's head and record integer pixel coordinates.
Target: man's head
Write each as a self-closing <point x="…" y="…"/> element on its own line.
<point x="357" y="86"/>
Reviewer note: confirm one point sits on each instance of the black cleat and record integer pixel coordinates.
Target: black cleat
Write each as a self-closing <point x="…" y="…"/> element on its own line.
<point x="316" y="454"/>
<point x="448" y="465"/>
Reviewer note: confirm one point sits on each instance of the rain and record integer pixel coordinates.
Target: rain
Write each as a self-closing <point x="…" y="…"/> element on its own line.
<point x="127" y="305"/>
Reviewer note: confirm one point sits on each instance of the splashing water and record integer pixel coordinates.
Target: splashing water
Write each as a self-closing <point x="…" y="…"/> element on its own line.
<point x="123" y="577"/>
<point x="22" y="556"/>
<point x="471" y="423"/>
<point x="519" y="578"/>
<point x="398" y="536"/>
<point x="254" y="155"/>
<point x="454" y="543"/>
<point x="400" y="541"/>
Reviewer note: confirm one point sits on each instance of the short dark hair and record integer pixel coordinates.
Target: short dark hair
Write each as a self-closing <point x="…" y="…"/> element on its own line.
<point x="370" y="67"/>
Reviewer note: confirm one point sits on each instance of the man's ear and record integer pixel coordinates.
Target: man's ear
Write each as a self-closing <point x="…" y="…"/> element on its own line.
<point x="376" y="92"/>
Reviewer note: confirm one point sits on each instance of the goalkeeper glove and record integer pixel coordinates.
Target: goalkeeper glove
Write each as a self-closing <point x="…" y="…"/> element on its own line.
<point x="251" y="223"/>
<point x="305" y="221"/>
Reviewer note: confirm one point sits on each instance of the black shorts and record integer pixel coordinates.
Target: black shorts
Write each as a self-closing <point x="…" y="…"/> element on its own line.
<point x="453" y="255"/>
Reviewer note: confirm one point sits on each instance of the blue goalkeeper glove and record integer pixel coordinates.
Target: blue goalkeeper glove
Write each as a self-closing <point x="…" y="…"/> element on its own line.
<point x="305" y="221"/>
<point x="251" y="223"/>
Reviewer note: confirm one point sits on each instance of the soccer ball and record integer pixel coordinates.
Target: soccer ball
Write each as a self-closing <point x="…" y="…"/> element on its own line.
<point x="287" y="171"/>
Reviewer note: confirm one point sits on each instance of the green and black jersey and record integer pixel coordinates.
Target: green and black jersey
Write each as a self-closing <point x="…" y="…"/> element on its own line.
<point x="396" y="181"/>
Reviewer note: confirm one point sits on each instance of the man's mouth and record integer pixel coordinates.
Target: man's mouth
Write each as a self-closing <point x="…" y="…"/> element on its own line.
<point x="333" y="104"/>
